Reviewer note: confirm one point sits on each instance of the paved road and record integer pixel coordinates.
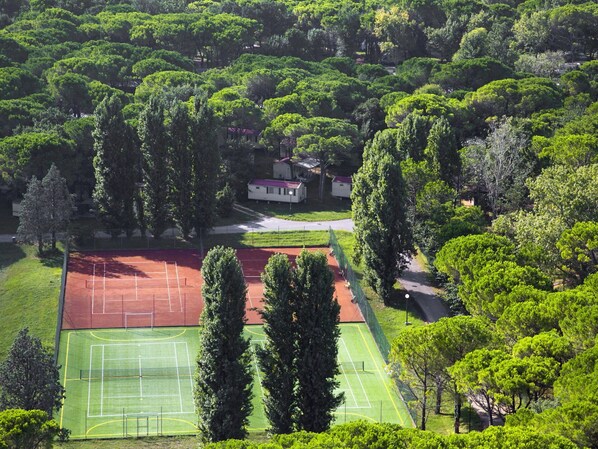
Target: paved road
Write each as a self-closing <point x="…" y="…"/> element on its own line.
<point x="415" y="281"/>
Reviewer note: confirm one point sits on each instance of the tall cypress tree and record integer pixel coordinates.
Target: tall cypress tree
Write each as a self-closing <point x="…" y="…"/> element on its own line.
<point x="412" y="136"/>
<point x="443" y="152"/>
<point x="382" y="233"/>
<point x="206" y="163"/>
<point x="277" y="358"/>
<point x="180" y="175"/>
<point x="115" y="167"/>
<point x="223" y="377"/>
<point x="33" y="222"/>
<point x="317" y="318"/>
<point x="154" y="165"/>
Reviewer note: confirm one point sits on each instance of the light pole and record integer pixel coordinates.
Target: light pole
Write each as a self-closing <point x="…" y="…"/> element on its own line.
<point x="407" y="323"/>
<point x="290" y="198"/>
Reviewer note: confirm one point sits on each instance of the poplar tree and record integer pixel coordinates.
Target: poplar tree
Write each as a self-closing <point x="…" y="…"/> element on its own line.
<point x="180" y="174"/>
<point x="154" y="165"/>
<point x="206" y="163"/>
<point x="115" y="167"/>
<point x="277" y="358"/>
<point x="317" y="317"/>
<point x="412" y="137"/>
<point x="443" y="152"/>
<point x="223" y="376"/>
<point x="382" y="232"/>
<point x="58" y="203"/>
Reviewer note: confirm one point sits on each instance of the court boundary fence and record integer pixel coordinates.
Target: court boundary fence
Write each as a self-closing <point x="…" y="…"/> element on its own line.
<point x="370" y="318"/>
<point x="61" y="294"/>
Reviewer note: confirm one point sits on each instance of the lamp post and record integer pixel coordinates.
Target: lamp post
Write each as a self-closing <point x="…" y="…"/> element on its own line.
<point x="407" y="323"/>
<point x="290" y="199"/>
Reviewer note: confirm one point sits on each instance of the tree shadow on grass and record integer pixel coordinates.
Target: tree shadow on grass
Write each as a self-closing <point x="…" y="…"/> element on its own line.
<point x="9" y="254"/>
<point x="52" y="258"/>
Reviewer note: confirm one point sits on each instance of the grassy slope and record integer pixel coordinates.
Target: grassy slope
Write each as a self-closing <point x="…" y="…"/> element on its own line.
<point x="29" y="289"/>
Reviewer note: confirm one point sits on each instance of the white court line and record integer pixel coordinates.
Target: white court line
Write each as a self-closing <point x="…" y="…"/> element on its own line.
<point x="257" y="370"/>
<point x="358" y="376"/>
<point x="178" y="377"/>
<point x="89" y="385"/>
<point x="122" y="359"/>
<point x="93" y="288"/>
<point x="167" y="285"/>
<point x="102" y="385"/>
<point x="104" y="298"/>
<point x="178" y="281"/>
<point x="120" y="415"/>
<point x="140" y="378"/>
<point x="190" y="373"/>
<point x="349" y="385"/>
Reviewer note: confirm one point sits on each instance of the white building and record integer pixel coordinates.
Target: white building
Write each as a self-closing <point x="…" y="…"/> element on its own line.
<point x="341" y="186"/>
<point x="276" y="190"/>
<point x="302" y="170"/>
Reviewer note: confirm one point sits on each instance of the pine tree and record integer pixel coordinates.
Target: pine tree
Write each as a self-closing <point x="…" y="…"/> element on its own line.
<point x="115" y="166"/>
<point x="382" y="232"/>
<point x="443" y="152"/>
<point x="206" y="163"/>
<point x="29" y="377"/>
<point x="277" y="358"/>
<point x="223" y="378"/>
<point x="57" y="201"/>
<point x="154" y="165"/>
<point x="180" y="173"/>
<point x="33" y="221"/>
<point x="317" y="318"/>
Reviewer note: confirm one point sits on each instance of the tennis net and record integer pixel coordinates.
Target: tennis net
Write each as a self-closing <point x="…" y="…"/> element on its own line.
<point x="136" y="373"/>
<point x="110" y="283"/>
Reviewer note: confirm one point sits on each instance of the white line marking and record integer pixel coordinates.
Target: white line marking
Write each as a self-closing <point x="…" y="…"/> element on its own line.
<point x="146" y="396"/>
<point x="167" y="285"/>
<point x="93" y="287"/>
<point x="102" y="385"/>
<point x="178" y="281"/>
<point x="257" y="369"/>
<point x="140" y="378"/>
<point x="178" y="377"/>
<point x="89" y="387"/>
<point x="358" y="376"/>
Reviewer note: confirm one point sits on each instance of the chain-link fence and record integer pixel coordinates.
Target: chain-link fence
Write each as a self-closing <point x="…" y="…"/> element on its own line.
<point x="370" y="318"/>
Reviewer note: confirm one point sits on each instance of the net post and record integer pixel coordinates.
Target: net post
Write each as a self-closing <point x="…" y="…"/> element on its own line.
<point x="122" y="309"/>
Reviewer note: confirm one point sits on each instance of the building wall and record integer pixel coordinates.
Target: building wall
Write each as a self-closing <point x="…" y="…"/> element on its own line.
<point x="341" y="189"/>
<point x="276" y="194"/>
<point x="282" y="171"/>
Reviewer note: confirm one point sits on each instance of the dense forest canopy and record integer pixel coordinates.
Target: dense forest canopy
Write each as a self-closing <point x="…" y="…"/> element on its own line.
<point x="482" y="100"/>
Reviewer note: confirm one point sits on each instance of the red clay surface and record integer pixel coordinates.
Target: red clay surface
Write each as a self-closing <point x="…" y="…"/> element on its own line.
<point x="131" y="288"/>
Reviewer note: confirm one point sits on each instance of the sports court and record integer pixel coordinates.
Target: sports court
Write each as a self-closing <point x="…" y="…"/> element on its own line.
<point x="138" y="382"/>
<point x="129" y="289"/>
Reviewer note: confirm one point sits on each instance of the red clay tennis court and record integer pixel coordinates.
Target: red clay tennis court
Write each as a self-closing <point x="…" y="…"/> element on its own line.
<point x="163" y="288"/>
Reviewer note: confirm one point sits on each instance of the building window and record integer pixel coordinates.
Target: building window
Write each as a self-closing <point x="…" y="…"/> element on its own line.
<point x="269" y="189"/>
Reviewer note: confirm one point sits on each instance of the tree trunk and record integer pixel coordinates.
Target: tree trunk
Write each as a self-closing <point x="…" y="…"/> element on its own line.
<point x="489" y="409"/>
<point x="53" y="240"/>
<point x="438" y="399"/>
<point x="40" y="243"/>
<point x="322" y="179"/>
<point x="457" y="412"/>
<point x="424" y="405"/>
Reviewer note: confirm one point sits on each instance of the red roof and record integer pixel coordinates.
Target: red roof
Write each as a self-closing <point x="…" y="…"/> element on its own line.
<point x="275" y="183"/>
<point x="345" y="179"/>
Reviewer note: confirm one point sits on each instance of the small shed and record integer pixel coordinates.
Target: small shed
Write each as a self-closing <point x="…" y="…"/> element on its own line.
<point x="17" y="208"/>
<point x="276" y="190"/>
<point x="246" y="134"/>
<point x="282" y="169"/>
<point x="341" y="186"/>
<point x="303" y="170"/>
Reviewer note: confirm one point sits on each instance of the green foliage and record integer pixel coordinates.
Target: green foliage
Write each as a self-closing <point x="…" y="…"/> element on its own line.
<point x="32" y="429"/>
<point x="225" y="200"/>
<point x="29" y="379"/>
<point x="383" y="235"/>
<point x="223" y="376"/>
<point x="316" y="320"/>
<point x="277" y="359"/>
<point x="114" y="164"/>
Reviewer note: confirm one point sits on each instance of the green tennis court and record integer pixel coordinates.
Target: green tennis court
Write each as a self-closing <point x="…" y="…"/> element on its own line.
<point x="127" y="383"/>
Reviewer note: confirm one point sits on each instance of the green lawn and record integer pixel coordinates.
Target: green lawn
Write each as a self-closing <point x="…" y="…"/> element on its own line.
<point x="139" y="382"/>
<point x="29" y="289"/>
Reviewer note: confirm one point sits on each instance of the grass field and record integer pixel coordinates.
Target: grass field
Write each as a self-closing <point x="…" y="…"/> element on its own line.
<point x="140" y="382"/>
<point x="29" y="288"/>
